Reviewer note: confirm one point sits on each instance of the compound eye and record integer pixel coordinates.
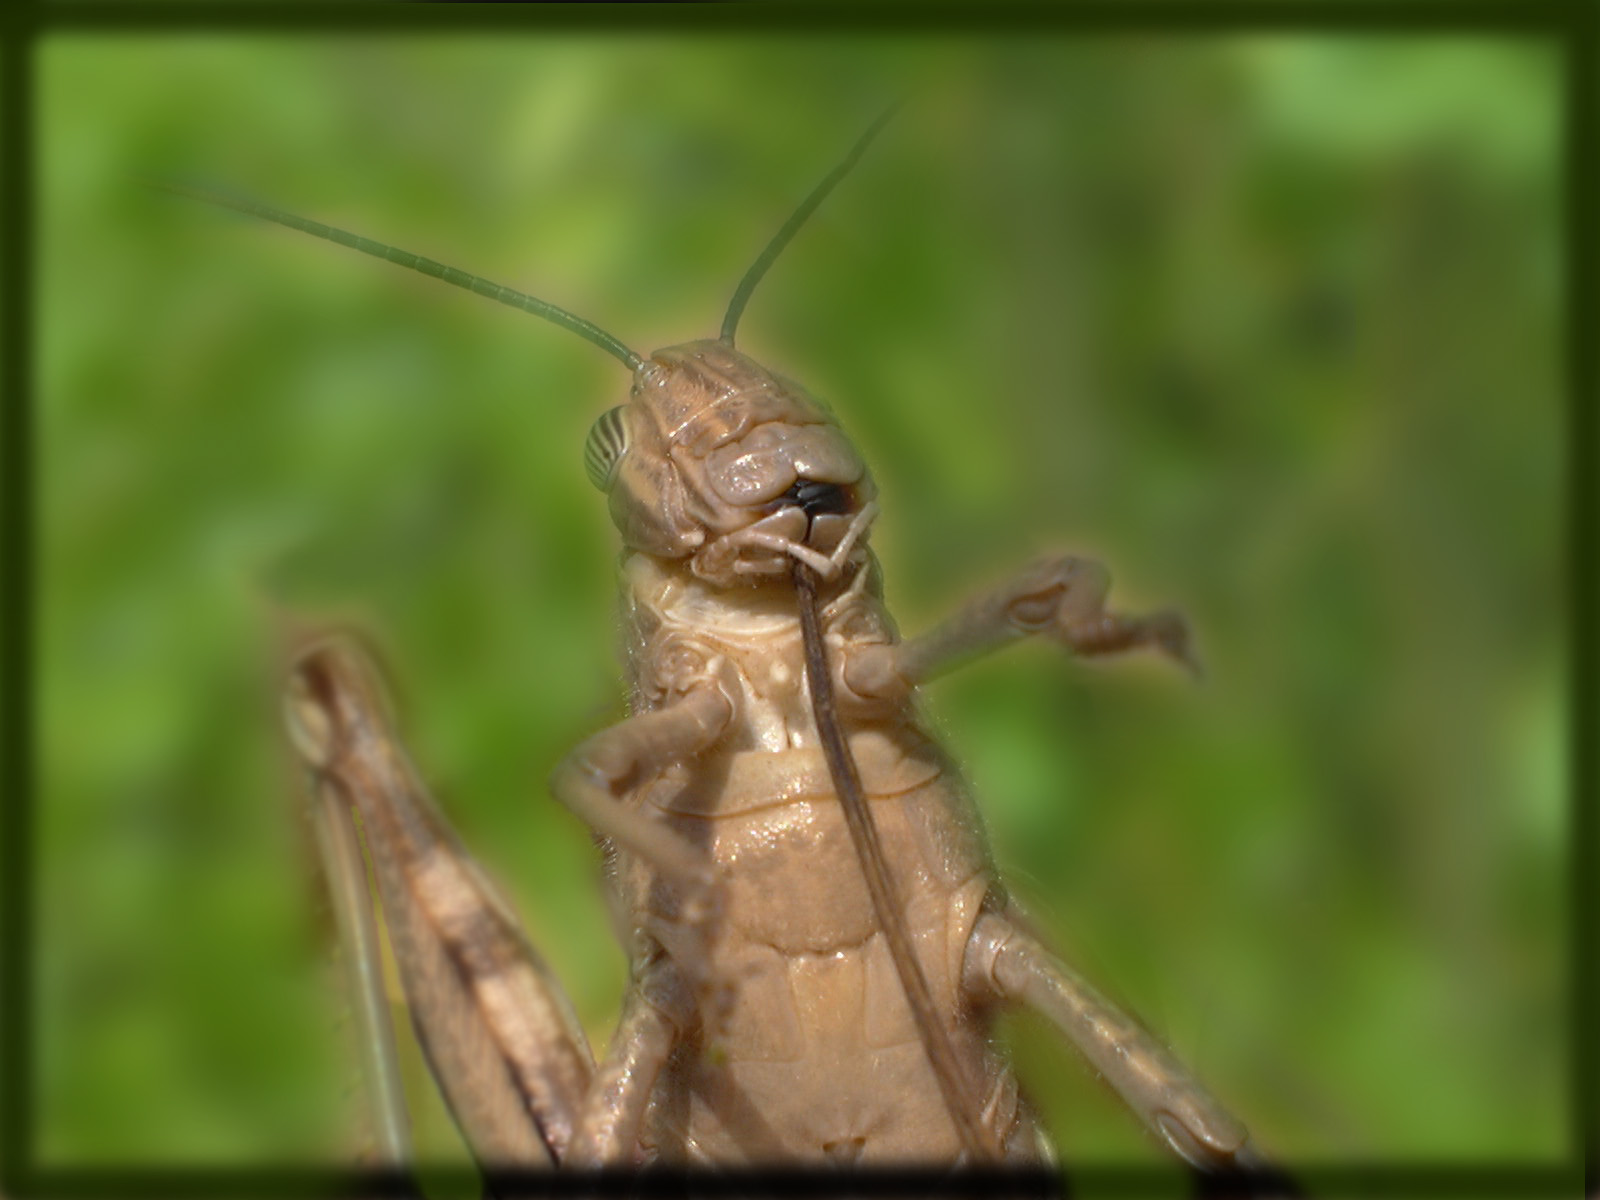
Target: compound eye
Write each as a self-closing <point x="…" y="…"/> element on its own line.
<point x="604" y="448"/>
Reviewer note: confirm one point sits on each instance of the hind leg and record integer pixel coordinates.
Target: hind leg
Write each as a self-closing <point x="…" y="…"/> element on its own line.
<point x="344" y="871"/>
<point x="499" y="1034"/>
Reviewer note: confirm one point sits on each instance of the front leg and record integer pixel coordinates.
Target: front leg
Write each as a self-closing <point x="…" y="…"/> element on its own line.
<point x="595" y="777"/>
<point x="593" y="782"/>
<point x="1059" y="597"/>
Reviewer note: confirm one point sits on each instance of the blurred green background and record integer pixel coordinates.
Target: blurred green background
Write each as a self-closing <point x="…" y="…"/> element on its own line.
<point x="1269" y="324"/>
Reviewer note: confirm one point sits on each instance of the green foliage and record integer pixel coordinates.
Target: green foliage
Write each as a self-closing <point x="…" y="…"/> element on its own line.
<point x="1269" y="324"/>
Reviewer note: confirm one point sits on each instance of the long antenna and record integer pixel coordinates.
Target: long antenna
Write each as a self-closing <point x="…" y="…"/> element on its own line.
<point x="741" y="295"/>
<point x="587" y="330"/>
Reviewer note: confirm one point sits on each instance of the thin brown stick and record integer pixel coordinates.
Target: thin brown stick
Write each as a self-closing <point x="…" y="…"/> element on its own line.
<point x="958" y="1096"/>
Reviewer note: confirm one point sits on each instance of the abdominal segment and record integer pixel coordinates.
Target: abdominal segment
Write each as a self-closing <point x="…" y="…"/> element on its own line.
<point x="821" y="1042"/>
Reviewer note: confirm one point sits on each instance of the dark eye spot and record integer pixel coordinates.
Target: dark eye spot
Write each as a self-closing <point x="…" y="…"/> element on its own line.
<point x="814" y="498"/>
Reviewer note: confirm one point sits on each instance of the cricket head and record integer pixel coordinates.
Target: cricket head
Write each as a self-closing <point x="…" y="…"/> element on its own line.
<point x="716" y="460"/>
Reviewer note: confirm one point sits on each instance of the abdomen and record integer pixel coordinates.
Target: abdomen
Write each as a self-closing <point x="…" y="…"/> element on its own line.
<point x="822" y="1058"/>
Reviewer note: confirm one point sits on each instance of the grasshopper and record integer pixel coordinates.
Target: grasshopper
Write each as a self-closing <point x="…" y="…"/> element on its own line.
<point x="818" y="939"/>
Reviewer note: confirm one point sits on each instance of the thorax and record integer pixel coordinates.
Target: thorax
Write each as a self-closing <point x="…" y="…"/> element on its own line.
<point x="677" y="628"/>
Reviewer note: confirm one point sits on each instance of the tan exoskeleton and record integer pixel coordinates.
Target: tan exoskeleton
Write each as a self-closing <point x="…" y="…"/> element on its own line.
<point x="810" y="982"/>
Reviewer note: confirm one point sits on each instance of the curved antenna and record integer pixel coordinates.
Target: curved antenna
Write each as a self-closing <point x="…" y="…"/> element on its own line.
<point x="741" y="295"/>
<point x="587" y="330"/>
<point x="954" y="1086"/>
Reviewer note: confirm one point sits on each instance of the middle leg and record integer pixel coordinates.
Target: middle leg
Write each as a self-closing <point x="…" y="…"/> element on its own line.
<point x="1006" y="963"/>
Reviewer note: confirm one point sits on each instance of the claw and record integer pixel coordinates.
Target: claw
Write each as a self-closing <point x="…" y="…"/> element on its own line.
<point x="1221" y="1147"/>
<point x="1170" y="632"/>
<point x="1200" y="1146"/>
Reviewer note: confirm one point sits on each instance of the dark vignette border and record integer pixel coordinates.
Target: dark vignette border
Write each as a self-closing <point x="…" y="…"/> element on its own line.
<point x="1571" y="25"/>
